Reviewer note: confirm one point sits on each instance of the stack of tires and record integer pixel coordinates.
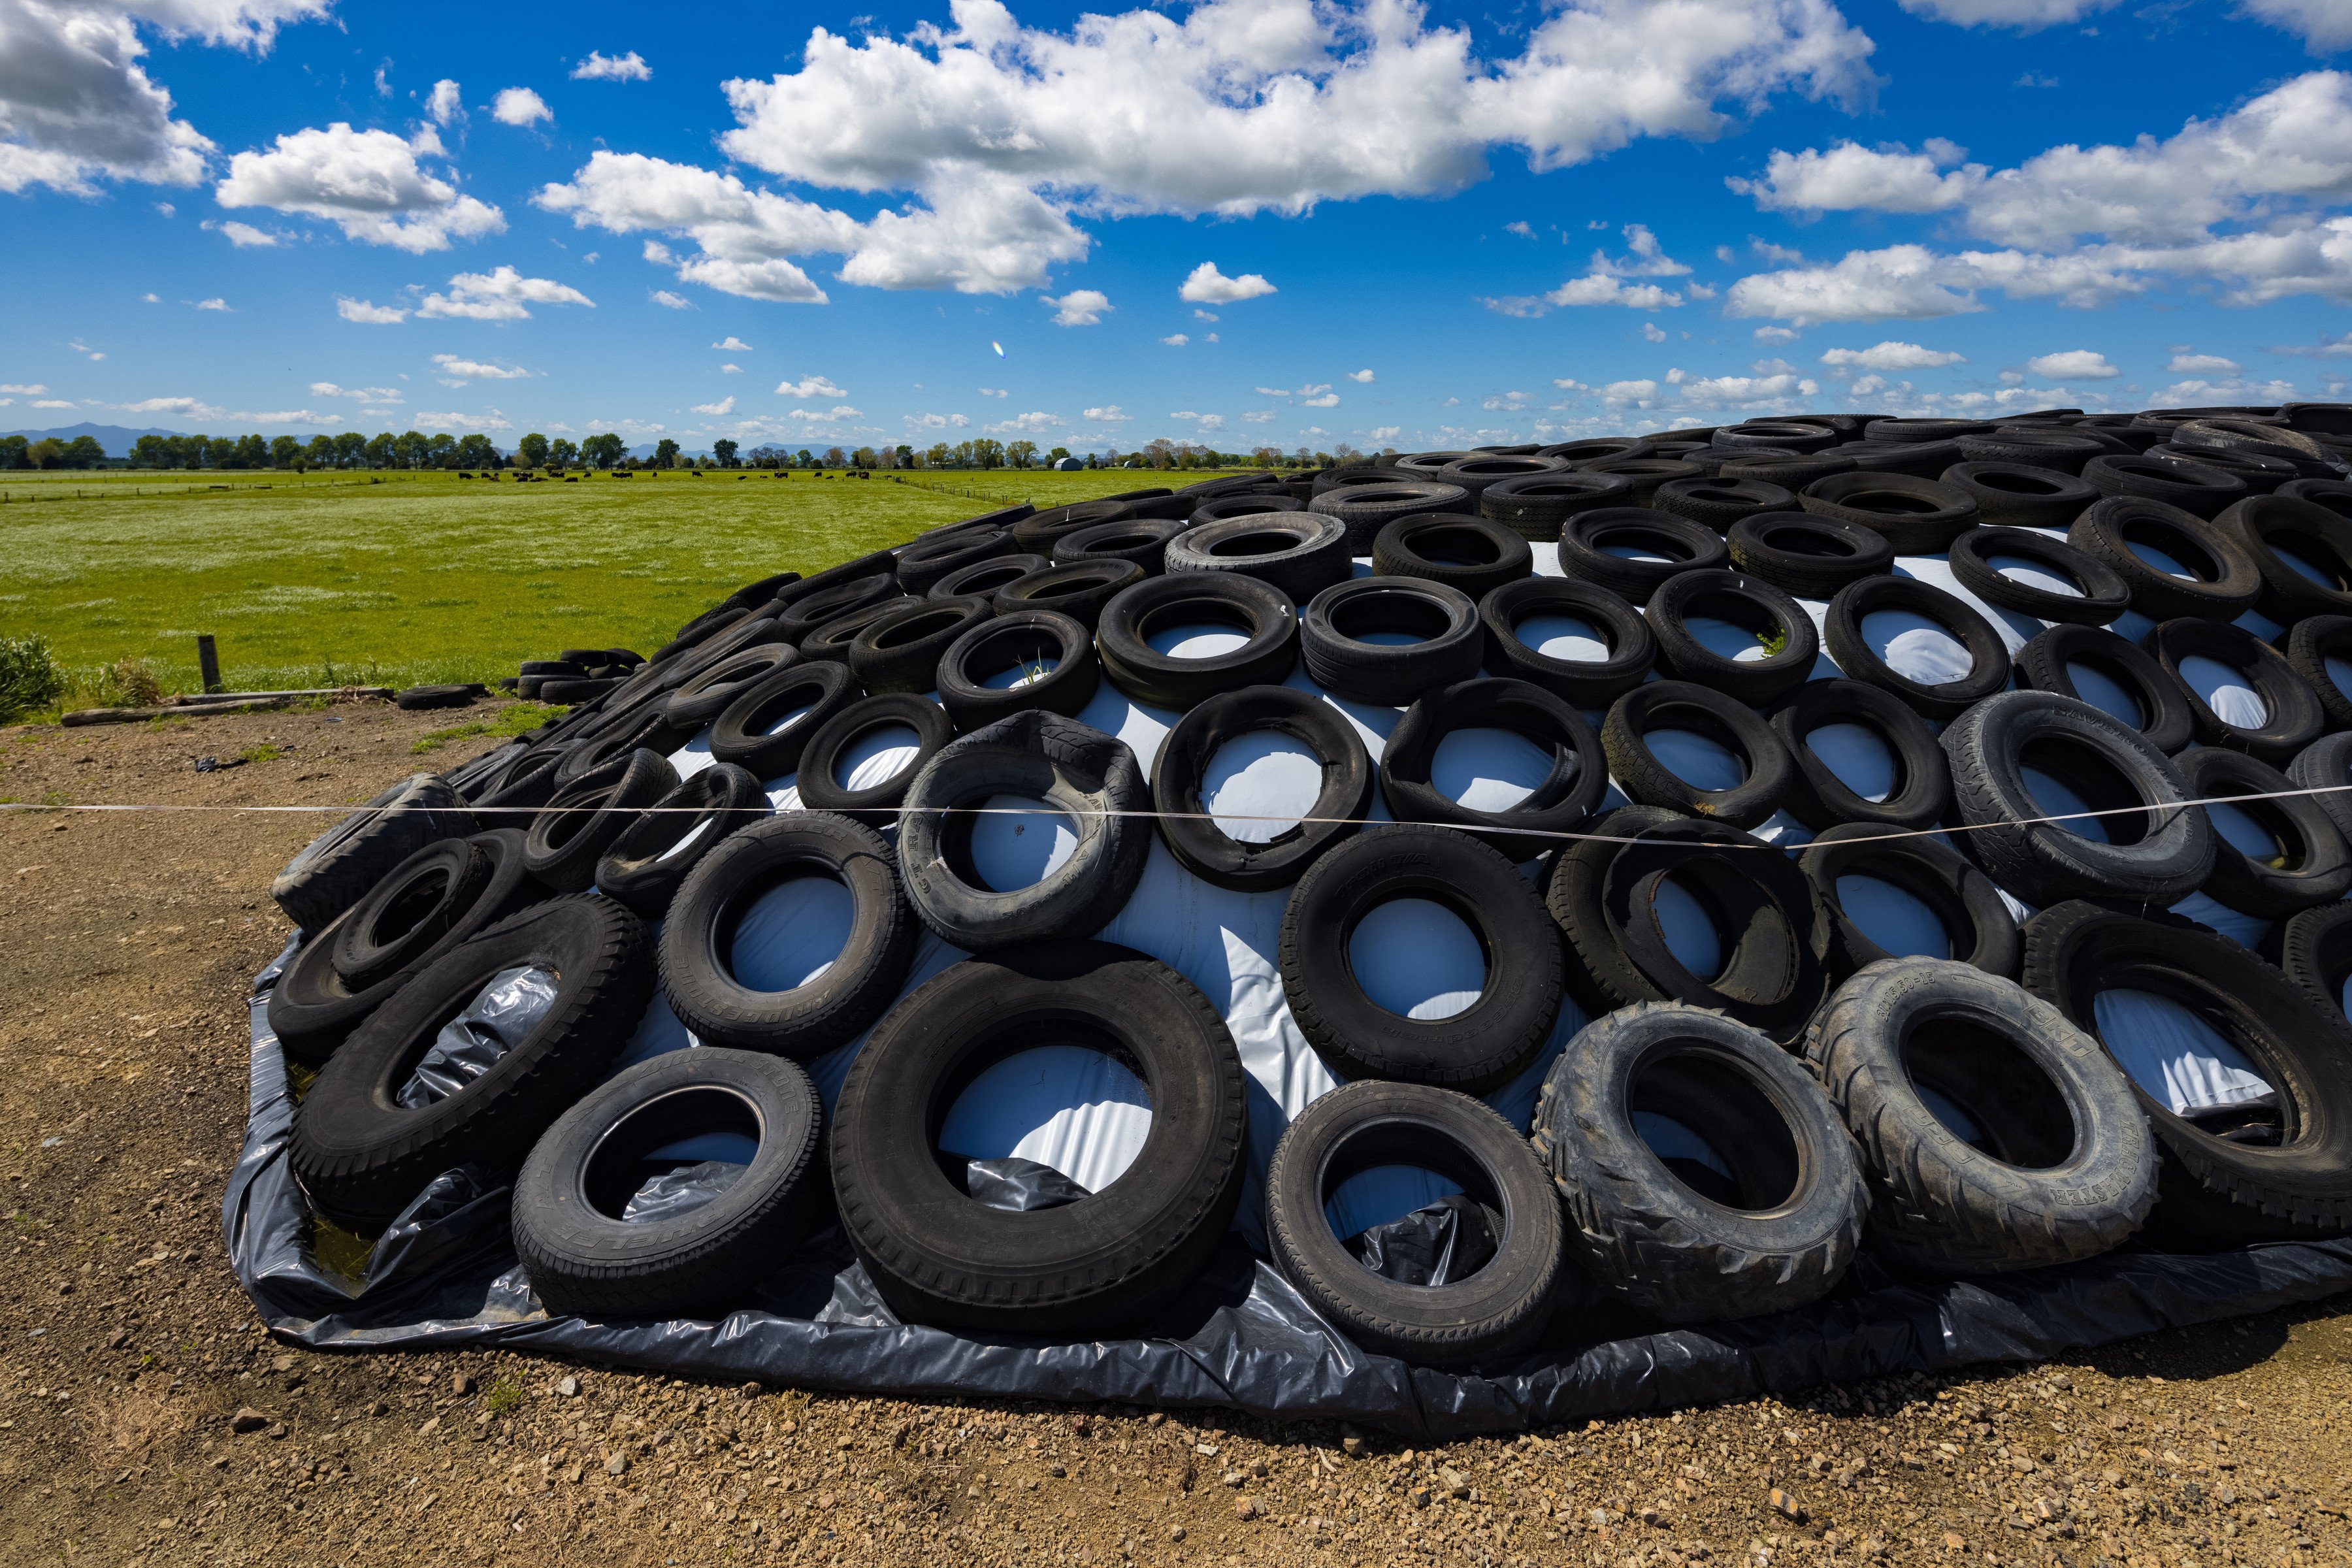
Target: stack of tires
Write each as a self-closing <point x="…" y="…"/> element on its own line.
<point x="1725" y="1133"/>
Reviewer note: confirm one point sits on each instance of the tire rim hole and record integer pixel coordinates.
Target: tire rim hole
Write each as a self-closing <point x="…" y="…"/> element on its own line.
<point x="1267" y="542"/>
<point x="2039" y="575"/>
<point x="2171" y="551"/>
<point x="2303" y="553"/>
<point x="2066" y="778"/>
<point x="1742" y="641"/>
<point x="1256" y="786"/>
<point x="792" y="717"/>
<point x="1794" y="539"/>
<point x="2258" y="830"/>
<point x="1991" y="1094"/>
<point x="1698" y="1105"/>
<point x="695" y="832"/>
<point x="2017" y="484"/>
<point x="876" y="755"/>
<point x="2109" y="693"/>
<point x="1390" y="619"/>
<point x="918" y="627"/>
<point x="1453" y="547"/>
<point x="1642" y="544"/>
<point x="1413" y="1225"/>
<point x="2339" y="673"/>
<point x="414" y="904"/>
<point x="1859" y="757"/>
<point x="1068" y="1109"/>
<point x="784" y="931"/>
<point x="1013" y="842"/>
<point x="1195" y="635"/>
<point x="1915" y="647"/>
<point x="671" y="1156"/>
<point x="1490" y="770"/>
<point x="493" y="1021"/>
<point x="2225" y="691"/>
<point x="1417" y="959"/>
<point x="2180" y="1059"/>
<point x="1693" y="931"/>
<point x="1573" y="640"/>
<point x="1698" y="760"/>
<point x="1892" y="503"/>
<point x="1895" y="918"/>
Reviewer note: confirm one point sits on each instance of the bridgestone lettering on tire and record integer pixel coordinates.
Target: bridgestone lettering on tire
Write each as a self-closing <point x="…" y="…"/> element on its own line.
<point x="2048" y="1159"/>
<point x="1096" y="1268"/>
<point x="1495" y="1311"/>
<point x="1676" y="1237"/>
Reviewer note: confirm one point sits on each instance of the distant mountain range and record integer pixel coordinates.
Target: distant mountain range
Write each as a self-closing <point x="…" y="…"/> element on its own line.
<point x="116" y="438"/>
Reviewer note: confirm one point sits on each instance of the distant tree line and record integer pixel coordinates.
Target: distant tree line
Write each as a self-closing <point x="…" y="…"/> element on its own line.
<point x="48" y="452"/>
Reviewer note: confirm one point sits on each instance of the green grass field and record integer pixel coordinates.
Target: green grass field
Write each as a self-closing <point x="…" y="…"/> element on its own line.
<point x="327" y="579"/>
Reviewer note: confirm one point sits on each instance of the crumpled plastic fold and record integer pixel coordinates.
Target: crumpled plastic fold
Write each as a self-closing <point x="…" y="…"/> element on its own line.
<point x="444" y="1274"/>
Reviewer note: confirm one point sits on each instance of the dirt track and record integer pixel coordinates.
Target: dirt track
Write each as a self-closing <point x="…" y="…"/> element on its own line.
<point x="131" y="1367"/>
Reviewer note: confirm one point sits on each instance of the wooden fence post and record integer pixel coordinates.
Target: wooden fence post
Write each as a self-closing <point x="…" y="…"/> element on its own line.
<point x="208" y="661"/>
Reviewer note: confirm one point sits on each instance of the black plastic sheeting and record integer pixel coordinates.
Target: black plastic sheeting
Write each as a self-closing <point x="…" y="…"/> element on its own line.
<point x="445" y="1275"/>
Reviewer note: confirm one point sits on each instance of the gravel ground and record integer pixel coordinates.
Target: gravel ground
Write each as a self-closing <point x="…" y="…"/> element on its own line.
<point x="145" y="1419"/>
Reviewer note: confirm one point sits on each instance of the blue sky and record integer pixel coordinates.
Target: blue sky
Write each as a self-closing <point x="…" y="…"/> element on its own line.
<point x="1260" y="221"/>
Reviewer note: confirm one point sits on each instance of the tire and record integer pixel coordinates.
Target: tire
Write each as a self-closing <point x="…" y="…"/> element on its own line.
<point x="1009" y="643"/>
<point x="1643" y="476"/>
<point x="1367" y="509"/>
<point x="551" y="666"/>
<point x="2257" y="474"/>
<point x="1094" y="1268"/>
<point x="2295" y="717"/>
<point x="1081" y="592"/>
<point x="1481" y="472"/>
<point x="818" y="781"/>
<point x="2336" y="495"/>
<point x="2061" y="1166"/>
<point x="1300" y="554"/>
<point x="1768" y="769"/>
<point x="1037" y="534"/>
<point x="819" y="1014"/>
<point x="584" y="1259"/>
<point x="805" y="615"/>
<point x="699" y="701"/>
<point x="1811" y="557"/>
<point x="1558" y="805"/>
<point x="1480" y="1049"/>
<point x="1143" y="541"/>
<point x="1775" y="435"/>
<point x="2312" y="865"/>
<point x="2060" y="451"/>
<point x="2188" y="487"/>
<point x="741" y="735"/>
<point x="335" y="869"/>
<point x="2044" y="663"/>
<point x="409" y="911"/>
<point x="645" y="866"/>
<point x="361" y="1157"/>
<point x="2108" y="765"/>
<point x="2267" y="524"/>
<point x="833" y="640"/>
<point x="1598" y="448"/>
<point x="932" y="557"/>
<point x="1718" y="503"/>
<point x="2326" y="765"/>
<point x="2020" y="495"/>
<point x="1820" y="799"/>
<point x="1091" y="777"/>
<point x="1468" y="554"/>
<point x="1587" y="684"/>
<point x="1254" y="503"/>
<point x="1773" y="924"/>
<point x="1218" y="598"/>
<point x="1915" y="459"/>
<point x="1988" y="667"/>
<point x="588" y="816"/>
<point x="1587" y="539"/>
<point x="1451" y="639"/>
<point x="900" y="651"/>
<point x="644" y="727"/>
<point x="2215" y="1193"/>
<point x="1675" y="1239"/>
<point x="1792" y="471"/>
<point x="1180" y="768"/>
<point x="700" y="630"/>
<point x="1915" y="516"/>
<point x="2314" y="949"/>
<point x="2314" y="640"/>
<point x="419" y="698"/>
<point x="2105" y="596"/>
<point x="312" y="1011"/>
<point x="1758" y="608"/>
<point x="1977" y="927"/>
<point x="987" y="578"/>
<point x="2226" y="581"/>
<point x="1923" y="429"/>
<point x="1537" y="505"/>
<point x="1496" y="1311"/>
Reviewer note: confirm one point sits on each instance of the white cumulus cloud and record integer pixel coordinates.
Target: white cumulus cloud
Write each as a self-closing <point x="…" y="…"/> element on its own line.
<point x="1110" y="414"/>
<point x="809" y="387"/>
<point x="491" y="420"/>
<point x="502" y="294"/>
<point x="733" y="345"/>
<point x="363" y="394"/>
<point x="600" y="66"/>
<point x="1176" y="339"/>
<point x="2073" y="365"/>
<point x="668" y="301"/>
<point x="244" y="235"/>
<point x="2202" y="364"/>
<point x="456" y="371"/>
<point x="366" y="314"/>
<point x="1363" y="375"/>
<point x="1079" y="308"/>
<point x="519" y="106"/>
<point x="1888" y="355"/>
<point x="446" y="104"/>
<point x="368" y="182"/>
<point x="723" y="406"/>
<point x="1207" y="286"/>
<point x="186" y="408"/>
